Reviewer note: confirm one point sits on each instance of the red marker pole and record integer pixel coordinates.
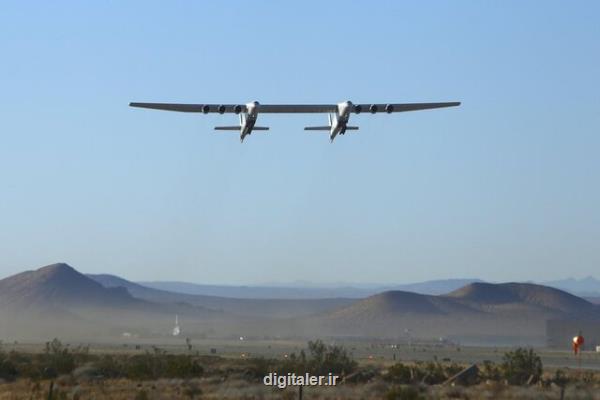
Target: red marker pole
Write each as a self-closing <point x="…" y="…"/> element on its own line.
<point x="577" y="343"/>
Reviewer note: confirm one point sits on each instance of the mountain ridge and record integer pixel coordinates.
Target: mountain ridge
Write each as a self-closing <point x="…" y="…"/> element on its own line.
<point x="57" y="298"/>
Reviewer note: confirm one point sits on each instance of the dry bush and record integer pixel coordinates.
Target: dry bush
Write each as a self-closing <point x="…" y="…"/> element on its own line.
<point x="320" y="359"/>
<point x="521" y="364"/>
<point x="421" y="372"/>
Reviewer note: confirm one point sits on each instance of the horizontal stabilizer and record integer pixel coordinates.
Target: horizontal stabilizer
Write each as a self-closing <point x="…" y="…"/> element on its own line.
<point x="317" y="128"/>
<point x="260" y="128"/>
<point x="227" y="128"/>
<point x="352" y="128"/>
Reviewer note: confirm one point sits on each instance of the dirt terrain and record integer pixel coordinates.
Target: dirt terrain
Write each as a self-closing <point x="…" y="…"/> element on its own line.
<point x="228" y="369"/>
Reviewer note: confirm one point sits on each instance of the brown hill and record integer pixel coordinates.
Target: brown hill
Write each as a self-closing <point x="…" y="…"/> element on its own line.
<point x="481" y="310"/>
<point x="56" y="300"/>
<point x="526" y="293"/>
<point x="404" y="303"/>
<point x="58" y="285"/>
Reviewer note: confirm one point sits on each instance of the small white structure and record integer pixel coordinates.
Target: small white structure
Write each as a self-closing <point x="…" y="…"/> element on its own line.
<point x="597" y="349"/>
<point x="176" y="329"/>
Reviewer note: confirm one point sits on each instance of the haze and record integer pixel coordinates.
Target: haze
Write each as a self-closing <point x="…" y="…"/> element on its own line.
<point x="502" y="188"/>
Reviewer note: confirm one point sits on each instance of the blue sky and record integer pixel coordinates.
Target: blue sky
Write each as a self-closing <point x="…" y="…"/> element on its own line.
<point x="503" y="188"/>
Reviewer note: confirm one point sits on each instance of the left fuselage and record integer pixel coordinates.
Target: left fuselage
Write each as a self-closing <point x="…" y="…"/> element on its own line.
<point x="339" y="120"/>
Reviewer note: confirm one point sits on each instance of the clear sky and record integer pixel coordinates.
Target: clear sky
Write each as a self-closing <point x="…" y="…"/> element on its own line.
<point x="505" y="187"/>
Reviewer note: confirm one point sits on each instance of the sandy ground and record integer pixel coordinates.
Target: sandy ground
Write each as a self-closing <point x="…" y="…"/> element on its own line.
<point x="362" y="351"/>
<point x="238" y="389"/>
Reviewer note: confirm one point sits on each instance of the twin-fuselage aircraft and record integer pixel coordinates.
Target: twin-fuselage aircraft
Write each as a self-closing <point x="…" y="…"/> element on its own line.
<point x="339" y="114"/>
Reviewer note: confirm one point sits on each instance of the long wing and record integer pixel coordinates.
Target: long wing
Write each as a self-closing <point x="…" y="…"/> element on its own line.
<point x="237" y="108"/>
<point x="197" y="108"/>
<point x="290" y="108"/>
<point x="401" y="107"/>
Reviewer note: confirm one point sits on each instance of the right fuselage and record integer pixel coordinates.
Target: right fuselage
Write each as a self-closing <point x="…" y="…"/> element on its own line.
<point x="248" y="119"/>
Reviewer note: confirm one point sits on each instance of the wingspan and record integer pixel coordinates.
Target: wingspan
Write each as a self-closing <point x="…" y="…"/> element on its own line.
<point x="292" y="108"/>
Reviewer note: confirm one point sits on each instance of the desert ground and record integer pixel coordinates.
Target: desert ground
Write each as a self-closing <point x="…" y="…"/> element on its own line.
<point x="233" y="369"/>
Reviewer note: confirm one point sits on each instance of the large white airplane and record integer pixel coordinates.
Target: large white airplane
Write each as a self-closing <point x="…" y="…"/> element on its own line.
<point x="339" y="114"/>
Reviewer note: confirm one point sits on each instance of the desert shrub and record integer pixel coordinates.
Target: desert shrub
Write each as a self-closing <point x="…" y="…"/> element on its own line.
<point x="57" y="359"/>
<point x="321" y="360"/>
<point x="490" y="371"/>
<point x="434" y="373"/>
<point x="519" y="365"/>
<point x="364" y="375"/>
<point x="141" y="367"/>
<point x="400" y="373"/>
<point x="142" y="395"/>
<point x="428" y="372"/>
<point x="257" y="368"/>
<point x="181" y="366"/>
<point x="453" y="369"/>
<point x="297" y="363"/>
<point x="192" y="390"/>
<point x="560" y="378"/>
<point x="109" y="366"/>
<point x="158" y="365"/>
<point x="58" y="395"/>
<point x="8" y="370"/>
<point x="404" y="393"/>
<point x="588" y="377"/>
<point x="26" y="364"/>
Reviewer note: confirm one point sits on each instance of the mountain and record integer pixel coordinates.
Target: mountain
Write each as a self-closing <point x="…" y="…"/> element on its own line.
<point x="305" y="290"/>
<point x="59" y="285"/>
<point x="589" y="286"/>
<point x="251" y="307"/>
<point x="490" y="296"/>
<point x="477" y="312"/>
<point x="434" y="287"/>
<point x="57" y="300"/>
<point x="259" y="292"/>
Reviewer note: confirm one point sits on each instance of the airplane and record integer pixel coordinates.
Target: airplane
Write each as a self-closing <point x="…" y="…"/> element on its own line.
<point x="338" y="114"/>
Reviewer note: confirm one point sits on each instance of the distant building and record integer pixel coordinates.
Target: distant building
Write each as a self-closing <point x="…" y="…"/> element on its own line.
<point x="559" y="333"/>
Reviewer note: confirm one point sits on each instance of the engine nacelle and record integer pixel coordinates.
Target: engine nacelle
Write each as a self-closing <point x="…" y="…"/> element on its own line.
<point x="237" y="109"/>
<point x="205" y="108"/>
<point x="357" y="109"/>
<point x="221" y="109"/>
<point x="373" y="108"/>
<point x="389" y="108"/>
